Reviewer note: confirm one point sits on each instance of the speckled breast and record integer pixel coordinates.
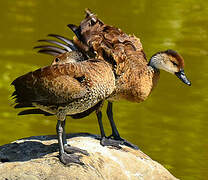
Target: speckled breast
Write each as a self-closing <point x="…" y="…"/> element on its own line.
<point x="135" y="87"/>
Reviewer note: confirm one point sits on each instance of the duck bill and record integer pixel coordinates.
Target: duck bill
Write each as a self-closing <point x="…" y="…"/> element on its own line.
<point x="181" y="75"/>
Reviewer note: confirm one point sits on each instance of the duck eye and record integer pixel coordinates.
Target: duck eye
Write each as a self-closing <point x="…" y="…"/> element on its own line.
<point x="174" y="63"/>
<point x="57" y="59"/>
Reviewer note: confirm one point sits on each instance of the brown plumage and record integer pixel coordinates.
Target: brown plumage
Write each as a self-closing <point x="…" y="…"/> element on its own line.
<point x="135" y="77"/>
<point x="72" y="87"/>
<point x="101" y="62"/>
<point x="68" y="57"/>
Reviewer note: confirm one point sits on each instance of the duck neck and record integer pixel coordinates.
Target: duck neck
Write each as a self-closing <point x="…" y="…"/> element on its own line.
<point x="153" y="68"/>
<point x="153" y="63"/>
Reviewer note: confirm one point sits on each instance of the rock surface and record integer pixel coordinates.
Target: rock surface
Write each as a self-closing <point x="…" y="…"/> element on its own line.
<point x="36" y="158"/>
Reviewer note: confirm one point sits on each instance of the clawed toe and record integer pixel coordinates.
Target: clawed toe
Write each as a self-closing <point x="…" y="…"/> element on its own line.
<point x="70" y="158"/>
<point x="123" y="141"/>
<point x="72" y="150"/>
<point x="127" y="143"/>
<point x="110" y="142"/>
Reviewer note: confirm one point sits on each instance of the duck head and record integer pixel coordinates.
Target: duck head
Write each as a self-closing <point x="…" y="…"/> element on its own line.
<point x="68" y="57"/>
<point x="171" y="62"/>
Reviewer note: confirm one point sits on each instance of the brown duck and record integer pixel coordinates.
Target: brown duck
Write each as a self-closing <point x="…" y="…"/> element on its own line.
<point x="105" y="63"/>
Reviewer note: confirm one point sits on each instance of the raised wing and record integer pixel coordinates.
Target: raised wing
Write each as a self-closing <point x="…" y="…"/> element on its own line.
<point x="108" y="43"/>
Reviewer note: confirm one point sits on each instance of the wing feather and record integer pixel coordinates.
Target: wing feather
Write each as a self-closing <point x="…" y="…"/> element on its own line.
<point x="64" y="83"/>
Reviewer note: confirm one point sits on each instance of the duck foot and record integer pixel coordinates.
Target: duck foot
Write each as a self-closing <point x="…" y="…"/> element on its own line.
<point x="110" y="142"/>
<point x="70" y="158"/>
<point x="71" y="150"/>
<point x="123" y="141"/>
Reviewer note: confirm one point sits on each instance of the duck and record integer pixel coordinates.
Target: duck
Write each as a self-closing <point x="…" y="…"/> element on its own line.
<point x="135" y="76"/>
<point x="100" y="63"/>
<point x="65" y="89"/>
<point x="73" y="54"/>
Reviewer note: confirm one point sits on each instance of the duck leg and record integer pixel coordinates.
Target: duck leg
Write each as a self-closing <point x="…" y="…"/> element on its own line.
<point x="104" y="140"/>
<point x="64" y="157"/>
<point x="115" y="134"/>
<point x="70" y="149"/>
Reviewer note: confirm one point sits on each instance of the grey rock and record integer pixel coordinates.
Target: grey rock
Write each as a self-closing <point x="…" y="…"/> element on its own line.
<point x="36" y="158"/>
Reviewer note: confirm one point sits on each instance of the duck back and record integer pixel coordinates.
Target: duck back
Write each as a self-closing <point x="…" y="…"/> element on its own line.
<point x="134" y="78"/>
<point x="75" y="87"/>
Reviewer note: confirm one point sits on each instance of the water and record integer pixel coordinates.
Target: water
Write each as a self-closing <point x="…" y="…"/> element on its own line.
<point x="171" y="126"/>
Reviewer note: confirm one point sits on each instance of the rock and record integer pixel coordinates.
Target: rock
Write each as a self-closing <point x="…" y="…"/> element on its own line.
<point x="36" y="158"/>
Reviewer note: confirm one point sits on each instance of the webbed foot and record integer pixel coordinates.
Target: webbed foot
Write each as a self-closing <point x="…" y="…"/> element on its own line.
<point x="110" y="142"/>
<point x="129" y="144"/>
<point x="71" y="150"/>
<point x="123" y="141"/>
<point x="70" y="158"/>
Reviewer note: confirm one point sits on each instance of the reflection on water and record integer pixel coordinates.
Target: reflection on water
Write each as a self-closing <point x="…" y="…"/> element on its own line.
<point x="171" y="126"/>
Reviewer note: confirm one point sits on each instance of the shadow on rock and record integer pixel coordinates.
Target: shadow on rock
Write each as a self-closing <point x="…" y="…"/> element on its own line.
<point x="34" y="147"/>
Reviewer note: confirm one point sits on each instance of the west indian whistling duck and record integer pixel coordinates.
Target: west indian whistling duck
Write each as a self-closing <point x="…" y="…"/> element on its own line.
<point x="66" y="89"/>
<point x="135" y="77"/>
<point x="108" y="64"/>
<point x="67" y="53"/>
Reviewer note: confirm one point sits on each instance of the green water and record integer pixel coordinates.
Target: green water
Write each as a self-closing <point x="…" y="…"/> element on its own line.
<point x="171" y="126"/>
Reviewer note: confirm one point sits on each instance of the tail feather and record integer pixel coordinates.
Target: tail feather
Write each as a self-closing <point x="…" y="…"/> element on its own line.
<point x="23" y="95"/>
<point x="23" y="105"/>
<point x="50" y="52"/>
<point x="14" y="94"/>
<point x="52" y="48"/>
<point x="76" y="30"/>
<point x="34" y="111"/>
<point x="57" y="48"/>
<point x="66" y="40"/>
<point x="88" y="12"/>
<point x="91" y="16"/>
<point x="56" y="43"/>
<point x="89" y="21"/>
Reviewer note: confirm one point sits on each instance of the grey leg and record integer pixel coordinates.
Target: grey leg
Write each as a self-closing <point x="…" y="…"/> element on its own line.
<point x="64" y="157"/>
<point x="115" y="133"/>
<point x="59" y="130"/>
<point x="104" y="140"/>
<point x="70" y="149"/>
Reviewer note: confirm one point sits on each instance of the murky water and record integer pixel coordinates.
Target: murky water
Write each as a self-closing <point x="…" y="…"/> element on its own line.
<point x="171" y="126"/>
